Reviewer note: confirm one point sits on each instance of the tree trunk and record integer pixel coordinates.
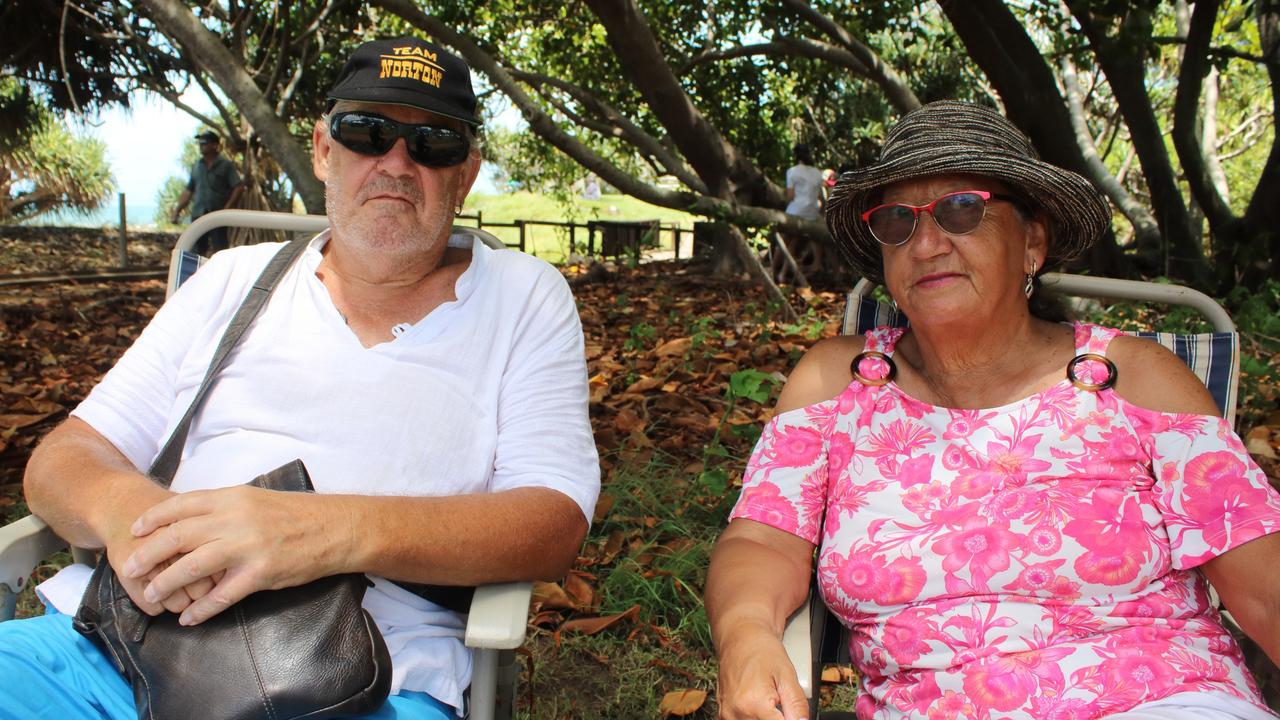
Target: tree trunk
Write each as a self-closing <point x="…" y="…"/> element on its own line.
<point x="1262" y="218"/>
<point x="177" y="22"/>
<point x="1000" y="45"/>
<point x="1123" y="59"/>
<point x="1145" y="230"/>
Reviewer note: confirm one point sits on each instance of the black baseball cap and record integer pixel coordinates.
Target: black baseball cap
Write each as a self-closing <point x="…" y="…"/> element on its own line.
<point x="209" y="135"/>
<point x="408" y="71"/>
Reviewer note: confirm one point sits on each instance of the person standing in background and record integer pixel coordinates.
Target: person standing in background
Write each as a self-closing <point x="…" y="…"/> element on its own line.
<point x="213" y="184"/>
<point x="804" y="199"/>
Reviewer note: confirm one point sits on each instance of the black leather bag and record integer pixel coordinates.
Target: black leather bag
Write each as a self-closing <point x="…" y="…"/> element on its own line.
<point x="309" y="651"/>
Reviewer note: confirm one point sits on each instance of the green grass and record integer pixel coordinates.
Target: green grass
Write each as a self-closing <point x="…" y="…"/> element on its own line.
<point x="623" y="672"/>
<point x="552" y="243"/>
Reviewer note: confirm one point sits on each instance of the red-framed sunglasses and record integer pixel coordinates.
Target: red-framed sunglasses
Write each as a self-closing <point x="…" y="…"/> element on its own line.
<point x="957" y="213"/>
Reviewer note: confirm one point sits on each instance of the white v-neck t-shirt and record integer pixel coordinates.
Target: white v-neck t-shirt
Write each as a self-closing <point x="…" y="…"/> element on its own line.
<point x="486" y="393"/>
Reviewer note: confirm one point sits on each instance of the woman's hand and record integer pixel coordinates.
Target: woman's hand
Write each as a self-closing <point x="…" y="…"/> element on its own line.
<point x="759" y="575"/>
<point x="757" y="680"/>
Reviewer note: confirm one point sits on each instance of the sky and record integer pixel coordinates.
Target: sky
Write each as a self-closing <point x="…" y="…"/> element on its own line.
<point x="144" y="145"/>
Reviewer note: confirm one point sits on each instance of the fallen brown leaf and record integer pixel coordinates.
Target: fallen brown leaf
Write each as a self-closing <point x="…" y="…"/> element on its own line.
<point x="593" y="625"/>
<point x="580" y="590"/>
<point x="682" y="702"/>
<point x="643" y="384"/>
<point x="679" y="346"/>
<point x="551" y="596"/>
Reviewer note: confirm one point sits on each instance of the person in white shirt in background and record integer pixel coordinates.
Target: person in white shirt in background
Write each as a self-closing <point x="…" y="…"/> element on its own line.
<point x="436" y="389"/>
<point x="804" y="199"/>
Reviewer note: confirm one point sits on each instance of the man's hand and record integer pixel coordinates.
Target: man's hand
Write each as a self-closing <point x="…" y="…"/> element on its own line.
<point x="121" y="546"/>
<point x="757" y="680"/>
<point x="229" y="543"/>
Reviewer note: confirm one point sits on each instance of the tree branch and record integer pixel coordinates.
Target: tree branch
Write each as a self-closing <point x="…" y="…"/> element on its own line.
<point x="726" y="172"/>
<point x="1145" y="229"/>
<point x="541" y="124"/>
<point x="176" y="21"/>
<point x="1215" y="52"/>
<point x="1123" y="59"/>
<point x="1263" y="213"/>
<point x="784" y="46"/>
<point x="1186" y="133"/>
<point x="895" y="87"/>
<point x="616" y="123"/>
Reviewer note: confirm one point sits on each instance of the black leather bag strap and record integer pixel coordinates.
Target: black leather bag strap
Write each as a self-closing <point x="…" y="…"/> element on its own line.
<point x="166" y="463"/>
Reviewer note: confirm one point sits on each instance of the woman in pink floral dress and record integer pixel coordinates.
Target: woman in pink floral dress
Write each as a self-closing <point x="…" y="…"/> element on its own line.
<point x="1004" y="536"/>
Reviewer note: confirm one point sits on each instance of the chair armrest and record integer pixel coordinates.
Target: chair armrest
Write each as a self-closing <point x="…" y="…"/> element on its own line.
<point x="23" y="546"/>
<point x="797" y="640"/>
<point x="499" y="615"/>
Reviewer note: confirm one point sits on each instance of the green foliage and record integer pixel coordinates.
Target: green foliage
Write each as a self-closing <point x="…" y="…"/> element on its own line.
<point x="703" y="332"/>
<point x="167" y="196"/>
<point x="47" y="168"/>
<point x="641" y="337"/>
<point x="1257" y="316"/>
<point x="665" y="571"/>
<point x="751" y="385"/>
<point x="810" y="325"/>
<point x="20" y="115"/>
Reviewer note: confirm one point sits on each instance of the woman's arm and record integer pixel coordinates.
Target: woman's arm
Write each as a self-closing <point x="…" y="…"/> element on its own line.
<point x="759" y="576"/>
<point x="1245" y="576"/>
<point x="1248" y="582"/>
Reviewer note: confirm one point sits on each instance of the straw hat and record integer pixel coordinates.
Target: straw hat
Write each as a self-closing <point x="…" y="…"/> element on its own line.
<point x="955" y="137"/>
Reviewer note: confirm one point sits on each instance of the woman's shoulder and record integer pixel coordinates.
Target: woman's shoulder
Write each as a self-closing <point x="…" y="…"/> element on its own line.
<point x="1150" y="376"/>
<point x="822" y="374"/>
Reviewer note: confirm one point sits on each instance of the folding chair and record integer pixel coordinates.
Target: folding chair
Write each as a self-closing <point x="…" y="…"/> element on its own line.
<point x="813" y="636"/>
<point x="498" y="617"/>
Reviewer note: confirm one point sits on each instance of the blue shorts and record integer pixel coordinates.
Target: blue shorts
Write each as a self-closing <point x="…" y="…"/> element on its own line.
<point x="48" y="671"/>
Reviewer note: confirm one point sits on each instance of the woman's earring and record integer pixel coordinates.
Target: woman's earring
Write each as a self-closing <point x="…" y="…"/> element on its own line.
<point x="1030" y="286"/>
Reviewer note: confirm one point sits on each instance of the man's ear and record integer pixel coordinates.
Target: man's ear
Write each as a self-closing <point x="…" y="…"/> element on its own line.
<point x="320" y="148"/>
<point x="471" y="171"/>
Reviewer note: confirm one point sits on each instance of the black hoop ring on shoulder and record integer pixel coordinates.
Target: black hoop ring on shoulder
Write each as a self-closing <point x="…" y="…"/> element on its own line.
<point x="857" y="359"/>
<point x="1092" y="387"/>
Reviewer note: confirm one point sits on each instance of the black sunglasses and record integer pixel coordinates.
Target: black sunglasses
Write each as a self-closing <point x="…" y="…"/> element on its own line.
<point x="369" y="134"/>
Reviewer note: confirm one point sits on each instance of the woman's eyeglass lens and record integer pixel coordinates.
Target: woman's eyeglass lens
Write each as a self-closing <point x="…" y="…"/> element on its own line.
<point x="369" y="134"/>
<point x="957" y="213"/>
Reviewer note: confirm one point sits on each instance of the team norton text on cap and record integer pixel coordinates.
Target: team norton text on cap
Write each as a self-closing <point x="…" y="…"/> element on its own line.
<point x="408" y="71"/>
<point x="950" y="137"/>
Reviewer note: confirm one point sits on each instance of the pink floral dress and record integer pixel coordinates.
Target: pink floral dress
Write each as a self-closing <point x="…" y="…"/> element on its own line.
<point x="1034" y="560"/>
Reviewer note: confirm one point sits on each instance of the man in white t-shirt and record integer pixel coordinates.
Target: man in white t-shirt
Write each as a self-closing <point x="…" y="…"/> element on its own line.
<point x="436" y="391"/>
<point x="804" y="199"/>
